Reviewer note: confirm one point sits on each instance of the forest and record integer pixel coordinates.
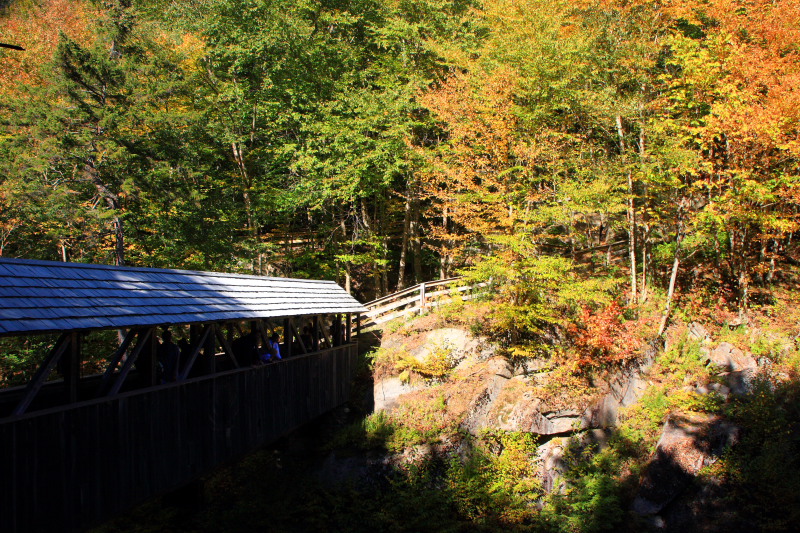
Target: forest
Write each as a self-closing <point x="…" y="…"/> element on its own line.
<point x="606" y="167"/>
<point x="385" y="142"/>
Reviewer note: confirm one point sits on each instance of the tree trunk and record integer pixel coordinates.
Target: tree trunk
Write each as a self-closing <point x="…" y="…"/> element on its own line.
<point x="416" y="239"/>
<point x="771" y="272"/>
<point x="743" y="277"/>
<point x="646" y="255"/>
<point x="112" y="201"/>
<point x="385" y="267"/>
<point x="443" y="253"/>
<point x="671" y="290"/>
<point x="631" y="213"/>
<point x="645" y="242"/>
<point x="632" y="238"/>
<point x="401" y="273"/>
<point x="238" y="157"/>
<point x="347" y="273"/>
<point x="675" y="264"/>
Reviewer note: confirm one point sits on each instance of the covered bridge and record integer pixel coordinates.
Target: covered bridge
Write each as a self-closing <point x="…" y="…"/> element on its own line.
<point x="81" y="442"/>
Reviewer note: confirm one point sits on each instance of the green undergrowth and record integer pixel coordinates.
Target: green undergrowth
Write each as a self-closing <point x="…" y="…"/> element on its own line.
<point x="596" y="488"/>
<point x="492" y="481"/>
<point x="763" y="469"/>
<point x="672" y="377"/>
<point x="488" y="486"/>
<point x="435" y="367"/>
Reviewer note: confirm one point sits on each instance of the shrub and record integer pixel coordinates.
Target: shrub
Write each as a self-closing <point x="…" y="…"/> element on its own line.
<point x="603" y="338"/>
<point x="434" y="368"/>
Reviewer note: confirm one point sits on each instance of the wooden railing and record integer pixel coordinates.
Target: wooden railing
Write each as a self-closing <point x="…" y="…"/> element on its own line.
<point x="417" y="300"/>
<point x="72" y="466"/>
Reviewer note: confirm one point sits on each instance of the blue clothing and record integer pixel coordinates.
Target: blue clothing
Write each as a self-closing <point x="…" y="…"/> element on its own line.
<point x="273" y="350"/>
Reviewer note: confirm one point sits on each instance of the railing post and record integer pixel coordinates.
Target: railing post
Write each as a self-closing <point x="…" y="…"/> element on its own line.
<point x="288" y="338"/>
<point x="422" y="297"/>
<point x="316" y="334"/>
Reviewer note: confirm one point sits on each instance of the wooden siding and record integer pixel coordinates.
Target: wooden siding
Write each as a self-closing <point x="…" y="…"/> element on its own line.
<point x="66" y="468"/>
<point x="39" y="296"/>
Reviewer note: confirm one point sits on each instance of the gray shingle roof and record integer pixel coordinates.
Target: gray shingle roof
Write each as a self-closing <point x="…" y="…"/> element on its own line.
<point x="37" y="296"/>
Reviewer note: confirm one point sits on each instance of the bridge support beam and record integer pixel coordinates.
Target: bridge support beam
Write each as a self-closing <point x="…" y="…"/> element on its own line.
<point x="144" y="343"/>
<point x="196" y="345"/>
<point x="61" y="346"/>
<point x="114" y="362"/>
<point x="288" y="338"/>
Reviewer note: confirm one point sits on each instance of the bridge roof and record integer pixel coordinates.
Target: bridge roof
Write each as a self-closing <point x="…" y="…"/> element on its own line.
<point x="39" y="296"/>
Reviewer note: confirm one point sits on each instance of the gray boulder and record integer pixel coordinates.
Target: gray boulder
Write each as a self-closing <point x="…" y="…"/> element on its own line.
<point x="740" y="382"/>
<point x="479" y="410"/>
<point x="527" y="366"/>
<point x="557" y="422"/>
<point x="550" y="457"/>
<point x="626" y="388"/>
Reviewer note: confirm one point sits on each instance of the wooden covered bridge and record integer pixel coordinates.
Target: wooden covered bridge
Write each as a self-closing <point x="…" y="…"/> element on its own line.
<point x="80" y="445"/>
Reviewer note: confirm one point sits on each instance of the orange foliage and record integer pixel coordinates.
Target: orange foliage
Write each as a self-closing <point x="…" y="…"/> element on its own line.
<point x="764" y="67"/>
<point x="758" y="45"/>
<point x="603" y="338"/>
<point x="36" y="29"/>
<point x="465" y="179"/>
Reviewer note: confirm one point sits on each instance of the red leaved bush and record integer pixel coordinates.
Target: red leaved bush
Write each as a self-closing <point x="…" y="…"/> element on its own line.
<point x="603" y="338"/>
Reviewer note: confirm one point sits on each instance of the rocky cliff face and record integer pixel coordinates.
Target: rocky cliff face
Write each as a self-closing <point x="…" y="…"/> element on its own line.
<point x="486" y="390"/>
<point x="495" y="392"/>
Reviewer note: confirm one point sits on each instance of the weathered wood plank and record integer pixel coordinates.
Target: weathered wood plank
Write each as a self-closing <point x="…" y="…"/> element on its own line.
<point x="73" y="466"/>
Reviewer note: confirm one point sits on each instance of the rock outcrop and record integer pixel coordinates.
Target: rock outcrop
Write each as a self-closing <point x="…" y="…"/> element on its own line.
<point x="738" y="368"/>
<point x="497" y="374"/>
<point x="501" y="395"/>
<point x="687" y="444"/>
<point x="490" y="392"/>
<point x="464" y="349"/>
<point x="387" y="392"/>
<point x="551" y="455"/>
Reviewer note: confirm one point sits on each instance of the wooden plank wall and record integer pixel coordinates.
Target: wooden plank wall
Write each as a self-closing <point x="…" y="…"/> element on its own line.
<point x="67" y="468"/>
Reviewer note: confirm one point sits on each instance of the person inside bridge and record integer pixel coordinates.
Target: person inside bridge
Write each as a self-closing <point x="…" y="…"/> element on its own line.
<point x="307" y="339"/>
<point x="275" y="346"/>
<point x="168" y="356"/>
<point x="272" y="350"/>
<point x="245" y="349"/>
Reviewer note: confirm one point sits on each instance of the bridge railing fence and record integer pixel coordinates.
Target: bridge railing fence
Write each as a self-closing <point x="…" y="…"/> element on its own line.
<point x="72" y="466"/>
<point x="418" y="299"/>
